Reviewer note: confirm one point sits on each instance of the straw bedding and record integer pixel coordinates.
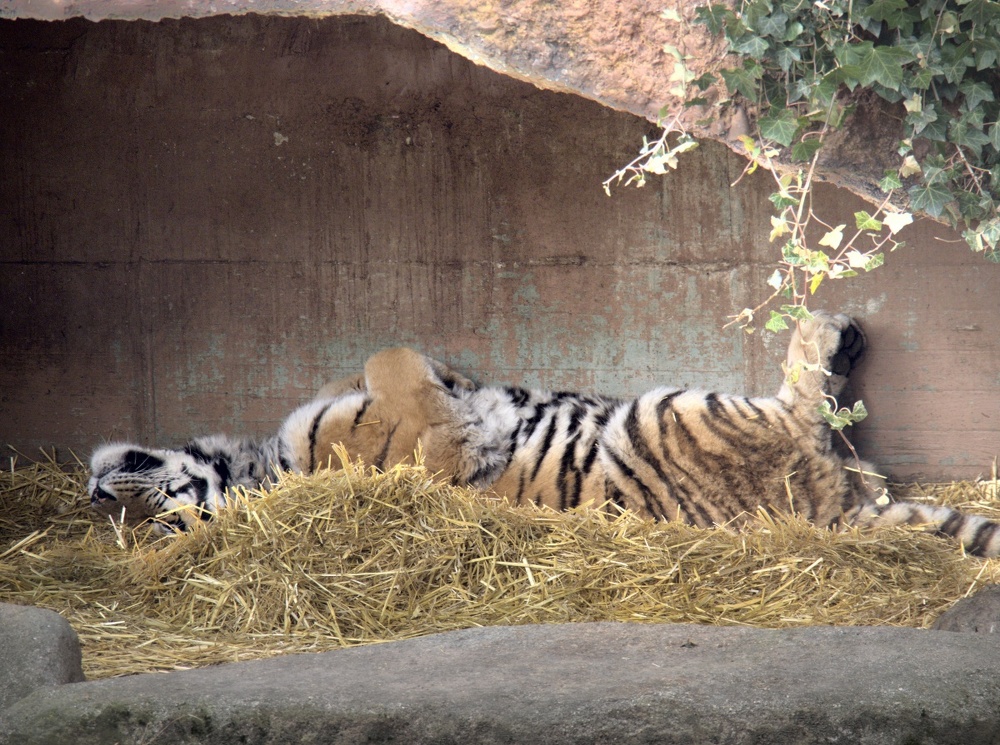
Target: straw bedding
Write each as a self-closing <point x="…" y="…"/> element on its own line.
<point x="354" y="557"/>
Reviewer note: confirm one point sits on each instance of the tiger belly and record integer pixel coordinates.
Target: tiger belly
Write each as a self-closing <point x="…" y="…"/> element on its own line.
<point x="702" y="459"/>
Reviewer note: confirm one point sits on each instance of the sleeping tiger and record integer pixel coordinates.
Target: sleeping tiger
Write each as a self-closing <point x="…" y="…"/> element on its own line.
<point x="670" y="454"/>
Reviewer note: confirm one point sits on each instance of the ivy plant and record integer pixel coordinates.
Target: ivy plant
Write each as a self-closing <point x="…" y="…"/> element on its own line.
<point x="802" y="66"/>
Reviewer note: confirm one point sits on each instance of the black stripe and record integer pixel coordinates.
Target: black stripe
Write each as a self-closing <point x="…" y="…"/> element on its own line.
<point x="588" y="462"/>
<point x="361" y="412"/>
<point x="520" y="488"/>
<point x="647" y="497"/>
<point x="532" y="423"/>
<point x="221" y="467"/>
<point x="616" y="496"/>
<point x="953" y="524"/>
<point x="982" y="538"/>
<point x="518" y="396"/>
<point x="641" y="448"/>
<point x="566" y="468"/>
<point x="380" y="458"/>
<point x="313" y="430"/>
<point x="546" y="444"/>
<point x="197" y="452"/>
<point x="136" y="461"/>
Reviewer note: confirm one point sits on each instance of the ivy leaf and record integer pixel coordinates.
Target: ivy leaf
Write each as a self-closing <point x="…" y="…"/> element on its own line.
<point x="779" y="126"/>
<point x="833" y="237"/>
<point x="806" y="148"/>
<point x="884" y="65"/>
<point x="896" y="221"/>
<point x="889" y="11"/>
<point x="776" y="322"/>
<point x="798" y="312"/>
<point x="890" y="181"/>
<point x="779" y="227"/>
<point x="788" y="56"/>
<point x="975" y="93"/>
<point x="962" y="133"/>
<point x="995" y="136"/>
<point x="930" y="198"/>
<point x="741" y="80"/>
<point x="864" y="221"/>
<point x="716" y="17"/>
<point x="773" y="24"/>
<point x="955" y="60"/>
<point x="751" y="45"/>
<point x="908" y="168"/>
<point x="981" y="12"/>
<point x="782" y="199"/>
<point x="856" y="259"/>
<point x="987" y="52"/>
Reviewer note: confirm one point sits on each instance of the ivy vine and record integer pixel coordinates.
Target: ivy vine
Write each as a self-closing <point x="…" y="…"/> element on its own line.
<point x="938" y="57"/>
<point x="802" y="68"/>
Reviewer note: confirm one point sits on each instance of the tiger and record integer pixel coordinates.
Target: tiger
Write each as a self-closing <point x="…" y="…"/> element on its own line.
<point x="703" y="458"/>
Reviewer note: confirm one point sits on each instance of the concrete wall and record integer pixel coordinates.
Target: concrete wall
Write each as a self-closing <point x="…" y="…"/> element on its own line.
<point x="203" y="220"/>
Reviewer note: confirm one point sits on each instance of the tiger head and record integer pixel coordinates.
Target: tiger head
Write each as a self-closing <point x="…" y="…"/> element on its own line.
<point x="173" y="488"/>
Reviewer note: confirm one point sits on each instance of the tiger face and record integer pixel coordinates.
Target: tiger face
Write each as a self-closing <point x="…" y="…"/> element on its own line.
<point x="171" y="486"/>
<point x="178" y="488"/>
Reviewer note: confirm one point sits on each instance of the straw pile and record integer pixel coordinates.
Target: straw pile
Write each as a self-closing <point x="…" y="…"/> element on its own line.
<point x="340" y="559"/>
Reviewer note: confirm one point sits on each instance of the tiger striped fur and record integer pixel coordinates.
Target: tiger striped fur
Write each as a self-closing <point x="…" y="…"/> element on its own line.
<point x="670" y="454"/>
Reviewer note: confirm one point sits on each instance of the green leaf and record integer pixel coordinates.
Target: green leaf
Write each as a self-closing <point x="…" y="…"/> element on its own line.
<point x="806" y="148"/>
<point x="773" y="24"/>
<point x="995" y="136"/>
<point x="798" y="312"/>
<point x="981" y="12"/>
<point x="782" y="199"/>
<point x="740" y="80"/>
<point x="890" y="182"/>
<point x="930" y="198"/>
<point x="875" y="262"/>
<point x="987" y="52"/>
<point x="889" y="11"/>
<point x="716" y="17"/>
<point x="791" y="253"/>
<point x="787" y="57"/>
<point x="864" y="221"/>
<point x="751" y="45"/>
<point x="968" y="136"/>
<point x="779" y="126"/>
<point x="885" y="66"/>
<point x="975" y="93"/>
<point x="776" y="322"/>
<point x="955" y="60"/>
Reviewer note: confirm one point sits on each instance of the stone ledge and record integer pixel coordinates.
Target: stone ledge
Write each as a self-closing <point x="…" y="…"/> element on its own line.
<point x="37" y="648"/>
<point x="577" y="683"/>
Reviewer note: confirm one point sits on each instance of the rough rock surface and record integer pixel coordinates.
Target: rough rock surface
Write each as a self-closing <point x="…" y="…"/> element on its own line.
<point x="978" y="614"/>
<point x="610" y="51"/>
<point x="37" y="648"/>
<point x="580" y="683"/>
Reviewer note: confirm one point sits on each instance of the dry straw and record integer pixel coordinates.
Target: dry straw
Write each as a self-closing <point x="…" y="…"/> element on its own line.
<point x="346" y="558"/>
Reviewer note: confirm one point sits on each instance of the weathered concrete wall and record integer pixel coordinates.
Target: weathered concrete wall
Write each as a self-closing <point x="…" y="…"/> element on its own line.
<point x="205" y="219"/>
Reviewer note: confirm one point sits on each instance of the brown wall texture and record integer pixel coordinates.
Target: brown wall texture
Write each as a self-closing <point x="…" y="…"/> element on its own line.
<point x="203" y="220"/>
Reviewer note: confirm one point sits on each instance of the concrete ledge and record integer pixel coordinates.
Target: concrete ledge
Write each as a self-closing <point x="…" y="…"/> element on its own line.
<point x="579" y="683"/>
